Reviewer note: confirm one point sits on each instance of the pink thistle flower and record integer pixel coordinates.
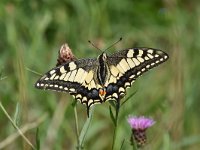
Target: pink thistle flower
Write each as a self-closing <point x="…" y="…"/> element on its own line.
<point x="139" y="126"/>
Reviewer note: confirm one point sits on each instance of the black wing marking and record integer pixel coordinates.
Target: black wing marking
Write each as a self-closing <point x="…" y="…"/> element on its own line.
<point x="127" y="65"/>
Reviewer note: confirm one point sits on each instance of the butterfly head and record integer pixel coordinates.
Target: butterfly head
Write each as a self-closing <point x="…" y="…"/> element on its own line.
<point x="103" y="57"/>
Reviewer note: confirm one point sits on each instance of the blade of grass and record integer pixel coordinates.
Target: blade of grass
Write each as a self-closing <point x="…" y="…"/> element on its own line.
<point x="33" y="71"/>
<point x="15" y="126"/>
<point x="24" y="129"/>
<point x="16" y="115"/>
<point x="37" y="139"/>
<point x="128" y="98"/>
<point x="76" y="123"/>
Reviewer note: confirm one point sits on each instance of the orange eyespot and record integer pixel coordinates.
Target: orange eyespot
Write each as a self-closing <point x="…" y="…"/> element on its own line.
<point x="102" y="92"/>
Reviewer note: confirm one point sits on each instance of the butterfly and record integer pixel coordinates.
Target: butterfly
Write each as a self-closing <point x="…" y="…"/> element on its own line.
<point x="107" y="77"/>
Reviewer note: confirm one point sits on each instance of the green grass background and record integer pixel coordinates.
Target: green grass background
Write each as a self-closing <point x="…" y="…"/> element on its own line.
<point x="31" y="33"/>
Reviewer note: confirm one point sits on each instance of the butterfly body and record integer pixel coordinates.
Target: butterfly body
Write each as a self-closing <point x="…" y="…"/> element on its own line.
<point x="107" y="77"/>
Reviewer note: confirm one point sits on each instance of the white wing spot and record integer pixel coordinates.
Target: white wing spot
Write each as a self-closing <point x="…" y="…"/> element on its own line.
<point x="124" y="65"/>
<point x="161" y="59"/>
<point x="114" y="71"/>
<point x="132" y="76"/>
<point x="138" y="73"/>
<point x="136" y="61"/>
<point x="52" y="77"/>
<point x="130" y="62"/>
<point x="132" y="82"/>
<point x="78" y="96"/>
<point x="150" y="56"/>
<point x="72" y="65"/>
<point x="62" y="69"/>
<point x="46" y="78"/>
<point x="67" y="76"/>
<point x="127" y="84"/>
<point x="72" y="76"/>
<point x="112" y="79"/>
<point x="121" y="89"/>
<point x="72" y="90"/>
<point x="52" y="71"/>
<point x="62" y="76"/>
<point x="120" y="69"/>
<point x="140" y="59"/>
<point x="91" y="85"/>
<point x="84" y="99"/>
<point x="115" y="95"/>
<point x="146" y="58"/>
<point x="140" y="53"/>
<point x="79" y="75"/>
<point x="130" y="53"/>
<point x="56" y="77"/>
<point x="89" y="76"/>
<point x="90" y="102"/>
<point x="143" y="69"/>
<point x="150" y="51"/>
<point x="83" y="77"/>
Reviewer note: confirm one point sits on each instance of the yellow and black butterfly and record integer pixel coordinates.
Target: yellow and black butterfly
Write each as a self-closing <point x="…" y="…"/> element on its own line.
<point x="96" y="80"/>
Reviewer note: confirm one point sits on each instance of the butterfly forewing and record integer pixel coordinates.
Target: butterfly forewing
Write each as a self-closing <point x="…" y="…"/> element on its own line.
<point x="76" y="78"/>
<point x="127" y="65"/>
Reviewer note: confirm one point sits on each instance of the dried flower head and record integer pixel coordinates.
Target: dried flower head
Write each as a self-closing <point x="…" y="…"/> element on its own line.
<point x="65" y="55"/>
<point x="139" y="126"/>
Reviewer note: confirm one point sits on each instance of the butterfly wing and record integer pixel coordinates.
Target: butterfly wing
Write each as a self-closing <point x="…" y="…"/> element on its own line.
<point x="76" y="78"/>
<point x="127" y="65"/>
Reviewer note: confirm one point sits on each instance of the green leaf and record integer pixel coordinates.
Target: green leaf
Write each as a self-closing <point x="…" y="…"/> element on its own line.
<point x="112" y="116"/>
<point x="85" y="128"/>
<point x="112" y="103"/>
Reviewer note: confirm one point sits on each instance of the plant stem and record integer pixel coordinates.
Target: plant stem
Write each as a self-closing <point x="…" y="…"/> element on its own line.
<point x="116" y="122"/>
<point x="77" y="128"/>
<point x="134" y="145"/>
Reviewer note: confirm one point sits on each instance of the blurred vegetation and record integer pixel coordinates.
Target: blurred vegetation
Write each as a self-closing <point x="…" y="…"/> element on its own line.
<point x="31" y="33"/>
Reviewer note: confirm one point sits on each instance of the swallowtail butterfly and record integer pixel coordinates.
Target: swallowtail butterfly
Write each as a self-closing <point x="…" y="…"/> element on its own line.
<point x="96" y="80"/>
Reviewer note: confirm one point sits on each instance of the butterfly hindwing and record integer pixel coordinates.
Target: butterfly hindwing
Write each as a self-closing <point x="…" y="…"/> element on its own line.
<point x="127" y="65"/>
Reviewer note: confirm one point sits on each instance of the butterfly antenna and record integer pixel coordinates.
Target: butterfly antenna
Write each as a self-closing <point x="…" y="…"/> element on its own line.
<point x="94" y="45"/>
<point x="113" y="44"/>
